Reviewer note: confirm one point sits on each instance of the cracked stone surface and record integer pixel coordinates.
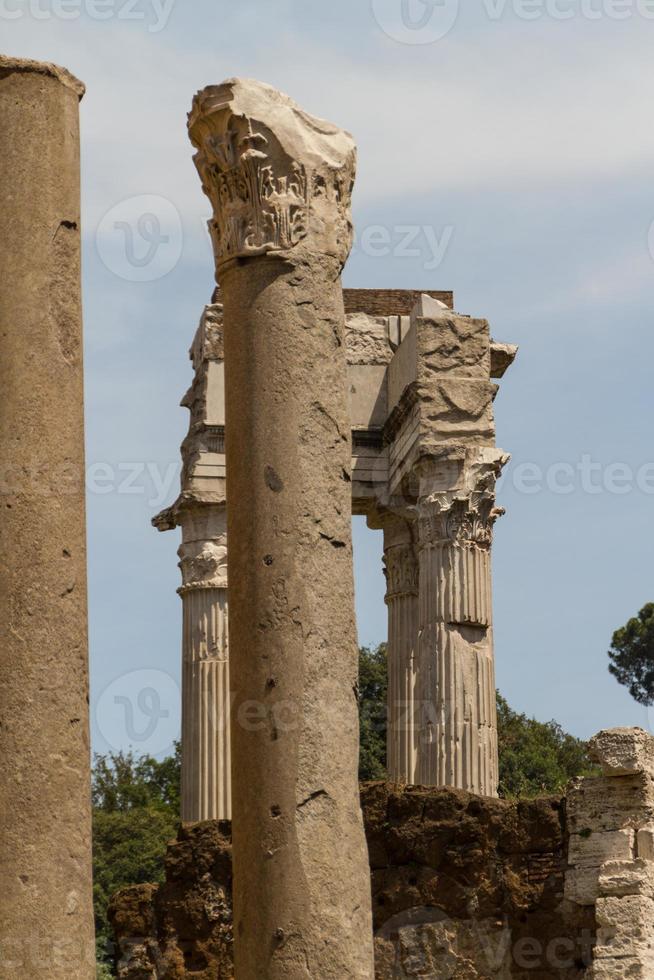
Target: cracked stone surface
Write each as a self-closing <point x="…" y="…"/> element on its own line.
<point x="280" y="183"/>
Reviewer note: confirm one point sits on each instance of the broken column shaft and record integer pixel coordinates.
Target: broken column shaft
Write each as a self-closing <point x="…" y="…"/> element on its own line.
<point x="46" y="911"/>
<point x="280" y="183"/>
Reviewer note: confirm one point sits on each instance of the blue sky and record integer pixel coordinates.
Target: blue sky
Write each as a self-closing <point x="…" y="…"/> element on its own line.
<point x="516" y="140"/>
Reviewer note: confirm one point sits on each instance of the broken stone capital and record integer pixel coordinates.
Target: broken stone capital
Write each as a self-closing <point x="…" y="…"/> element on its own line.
<point x="280" y="180"/>
<point x="203" y="552"/>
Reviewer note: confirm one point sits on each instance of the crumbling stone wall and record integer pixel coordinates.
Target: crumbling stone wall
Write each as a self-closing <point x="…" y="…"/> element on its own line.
<point x="463" y="887"/>
<point x="182" y="928"/>
<point x="470" y="887"/>
<point x="611" y="853"/>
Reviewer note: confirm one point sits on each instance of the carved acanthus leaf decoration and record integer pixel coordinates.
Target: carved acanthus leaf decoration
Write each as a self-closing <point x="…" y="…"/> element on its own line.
<point x="460" y="520"/>
<point x="401" y="571"/>
<point x="266" y="169"/>
<point x="203" y="565"/>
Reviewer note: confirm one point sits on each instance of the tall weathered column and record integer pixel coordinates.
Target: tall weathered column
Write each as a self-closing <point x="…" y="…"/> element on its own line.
<point x="200" y="511"/>
<point x="456" y="675"/>
<point x="401" y="568"/>
<point x="206" y="770"/>
<point x="46" y="911"/>
<point x="280" y="183"/>
<point x="443" y="458"/>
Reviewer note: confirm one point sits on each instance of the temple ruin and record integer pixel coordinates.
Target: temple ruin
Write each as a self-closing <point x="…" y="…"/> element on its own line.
<point x="424" y="466"/>
<point x="373" y="402"/>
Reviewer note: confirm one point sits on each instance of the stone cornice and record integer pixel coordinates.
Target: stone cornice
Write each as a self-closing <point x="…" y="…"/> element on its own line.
<point x="172" y="517"/>
<point x="396" y="419"/>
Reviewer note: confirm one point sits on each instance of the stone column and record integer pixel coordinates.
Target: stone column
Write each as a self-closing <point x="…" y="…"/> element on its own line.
<point x="456" y="683"/>
<point x="401" y="569"/>
<point x="206" y="772"/>
<point x="200" y="512"/>
<point x="280" y="183"/>
<point x="46" y="911"/>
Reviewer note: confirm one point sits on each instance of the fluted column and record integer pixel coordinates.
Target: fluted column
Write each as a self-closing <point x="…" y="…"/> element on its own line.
<point x="280" y="184"/>
<point x="401" y="569"/>
<point x="206" y="771"/>
<point x="456" y="682"/>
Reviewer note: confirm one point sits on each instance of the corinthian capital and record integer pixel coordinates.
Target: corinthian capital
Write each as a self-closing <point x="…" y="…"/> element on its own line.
<point x="203" y="565"/>
<point x="458" y="520"/>
<point x="278" y="179"/>
<point x="203" y="552"/>
<point x="401" y="571"/>
<point x="457" y="496"/>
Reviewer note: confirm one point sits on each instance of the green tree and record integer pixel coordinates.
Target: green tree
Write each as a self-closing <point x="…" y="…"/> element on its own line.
<point x="135" y="814"/>
<point x="536" y="757"/>
<point x="122" y="781"/>
<point x="632" y="655"/>
<point x="373" y="685"/>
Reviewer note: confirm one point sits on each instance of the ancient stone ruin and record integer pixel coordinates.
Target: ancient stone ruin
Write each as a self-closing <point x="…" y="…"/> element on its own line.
<point x="464" y="887"/>
<point x="308" y="404"/>
<point x="424" y="466"/>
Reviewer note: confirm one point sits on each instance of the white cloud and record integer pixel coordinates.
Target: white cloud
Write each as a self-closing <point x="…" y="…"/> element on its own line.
<point x="497" y="109"/>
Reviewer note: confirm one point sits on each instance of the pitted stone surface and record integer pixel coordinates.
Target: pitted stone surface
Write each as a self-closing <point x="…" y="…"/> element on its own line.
<point x="621" y="751"/>
<point x="46" y="911"/>
<point x="463" y="887"/>
<point x="280" y="184"/>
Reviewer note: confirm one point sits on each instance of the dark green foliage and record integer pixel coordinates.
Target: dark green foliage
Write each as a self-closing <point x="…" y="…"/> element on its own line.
<point x="632" y="655"/>
<point x="373" y="685"/>
<point x="135" y="814"/>
<point x="536" y="757"/>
